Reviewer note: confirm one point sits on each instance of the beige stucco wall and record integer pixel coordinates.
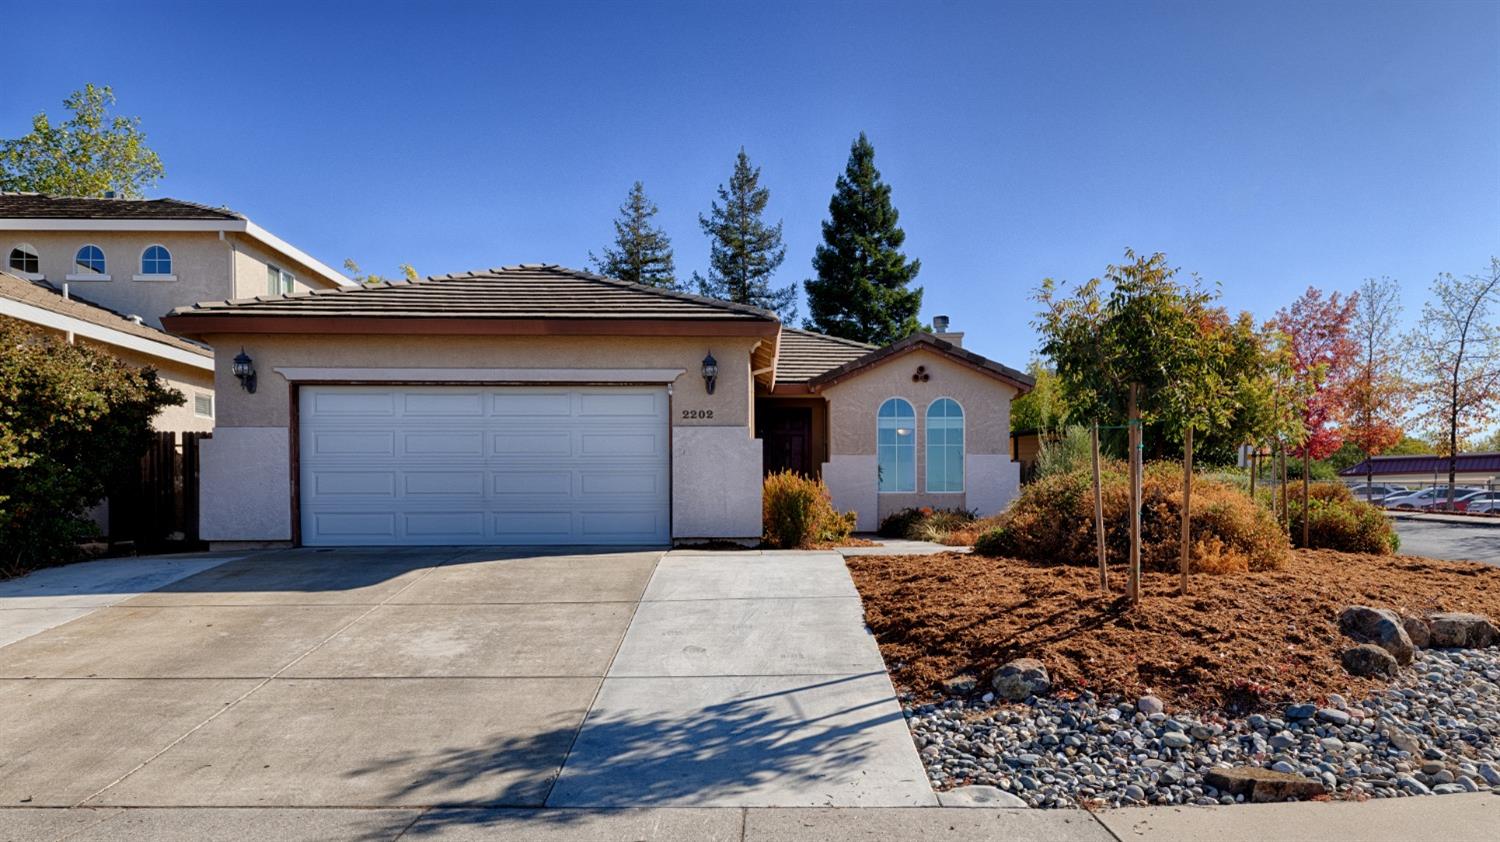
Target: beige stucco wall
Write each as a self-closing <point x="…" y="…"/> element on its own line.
<point x="199" y="260"/>
<point x="270" y="407"/>
<point x="250" y="261"/>
<point x="852" y="407"/>
<point x="716" y="485"/>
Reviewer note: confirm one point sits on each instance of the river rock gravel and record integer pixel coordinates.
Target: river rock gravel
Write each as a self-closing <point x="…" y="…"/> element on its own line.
<point x="1434" y="730"/>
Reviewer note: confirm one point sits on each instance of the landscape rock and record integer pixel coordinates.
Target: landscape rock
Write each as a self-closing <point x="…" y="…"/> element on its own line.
<point x="980" y="796"/>
<point x="1416" y="629"/>
<point x="1378" y="626"/>
<point x="1262" y="785"/>
<point x="1367" y="659"/>
<point x="1021" y="679"/>
<point x="1451" y="630"/>
<point x="960" y="685"/>
<point x="1149" y="705"/>
<point x="1307" y="711"/>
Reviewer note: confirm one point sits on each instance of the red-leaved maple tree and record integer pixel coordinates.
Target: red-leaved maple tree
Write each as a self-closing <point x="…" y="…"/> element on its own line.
<point x="1323" y="358"/>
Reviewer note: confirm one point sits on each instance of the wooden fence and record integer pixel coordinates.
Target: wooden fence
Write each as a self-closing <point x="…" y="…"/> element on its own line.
<point x="155" y="504"/>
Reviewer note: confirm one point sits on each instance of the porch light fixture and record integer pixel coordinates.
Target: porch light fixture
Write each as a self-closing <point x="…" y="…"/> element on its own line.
<point x="710" y="372"/>
<point x="244" y="369"/>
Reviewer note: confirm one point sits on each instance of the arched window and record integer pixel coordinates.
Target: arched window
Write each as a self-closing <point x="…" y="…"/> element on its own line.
<point x="896" y="446"/>
<point x="89" y="261"/>
<point x="945" y="446"/>
<point x="23" y="258"/>
<point x="156" y="260"/>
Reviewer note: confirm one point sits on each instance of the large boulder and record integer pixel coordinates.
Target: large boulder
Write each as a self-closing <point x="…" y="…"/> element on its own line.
<point x="1261" y="785"/>
<point x="1416" y="629"/>
<point x="1378" y="626"/>
<point x="1367" y="659"/>
<point x="1461" y="631"/>
<point x="1021" y="679"/>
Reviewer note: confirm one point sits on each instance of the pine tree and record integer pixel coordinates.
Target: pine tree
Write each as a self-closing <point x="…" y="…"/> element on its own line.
<point x="642" y="253"/>
<point x="744" y="251"/>
<point x="862" y="287"/>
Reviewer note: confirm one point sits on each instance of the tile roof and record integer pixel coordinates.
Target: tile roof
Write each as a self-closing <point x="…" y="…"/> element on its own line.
<point x="47" y="297"/>
<point x="1427" y="464"/>
<point x="804" y="354"/>
<point x="43" y="206"/>
<point x="931" y="342"/>
<point x="527" y="291"/>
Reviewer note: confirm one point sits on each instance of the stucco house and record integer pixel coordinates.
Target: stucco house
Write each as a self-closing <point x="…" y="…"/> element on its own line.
<point x="535" y="404"/>
<point x="104" y="270"/>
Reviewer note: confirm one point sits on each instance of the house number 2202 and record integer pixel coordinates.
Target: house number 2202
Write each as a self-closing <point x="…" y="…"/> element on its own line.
<point x="694" y="414"/>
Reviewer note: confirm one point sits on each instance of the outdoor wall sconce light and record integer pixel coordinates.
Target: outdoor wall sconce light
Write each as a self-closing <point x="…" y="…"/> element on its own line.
<point x="244" y="369"/>
<point x="710" y="372"/>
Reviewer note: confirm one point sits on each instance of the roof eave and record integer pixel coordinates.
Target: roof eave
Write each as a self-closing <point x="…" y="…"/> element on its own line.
<point x="197" y="324"/>
<point x="919" y="341"/>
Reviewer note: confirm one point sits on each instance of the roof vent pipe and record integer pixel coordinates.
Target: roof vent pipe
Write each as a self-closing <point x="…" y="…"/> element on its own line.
<point x="940" y="324"/>
<point x="137" y="319"/>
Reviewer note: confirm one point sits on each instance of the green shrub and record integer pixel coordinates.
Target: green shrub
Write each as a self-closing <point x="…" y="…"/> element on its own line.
<point x="798" y="512"/>
<point x="1337" y="521"/>
<point x="925" y="524"/>
<point x="1052" y="521"/>
<point x="1072" y="451"/>
<point x="900" y="524"/>
<point x="71" y="419"/>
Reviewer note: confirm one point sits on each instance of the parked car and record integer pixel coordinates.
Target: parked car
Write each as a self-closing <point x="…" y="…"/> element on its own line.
<point x="1419" y="499"/>
<point x="1459" y="503"/>
<point x="1484" y="504"/>
<point x="1377" y="492"/>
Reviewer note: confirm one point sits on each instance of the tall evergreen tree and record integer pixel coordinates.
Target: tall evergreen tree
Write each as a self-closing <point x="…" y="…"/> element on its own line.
<point x="642" y="253"/>
<point x="862" y="291"/>
<point x="743" y="250"/>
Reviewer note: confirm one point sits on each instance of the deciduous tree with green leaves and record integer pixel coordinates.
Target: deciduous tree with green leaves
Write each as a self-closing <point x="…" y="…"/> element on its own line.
<point x="89" y="154"/>
<point x="1043" y="408"/>
<point x="863" y="286"/>
<point x="72" y="418"/>
<point x="744" y="250"/>
<point x="642" y="253"/>
<point x="1456" y="369"/>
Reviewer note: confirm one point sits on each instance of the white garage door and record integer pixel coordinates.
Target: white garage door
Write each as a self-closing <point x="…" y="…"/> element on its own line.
<point x="483" y="465"/>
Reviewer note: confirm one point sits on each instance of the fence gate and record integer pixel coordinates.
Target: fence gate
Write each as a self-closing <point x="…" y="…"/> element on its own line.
<point x="155" y="503"/>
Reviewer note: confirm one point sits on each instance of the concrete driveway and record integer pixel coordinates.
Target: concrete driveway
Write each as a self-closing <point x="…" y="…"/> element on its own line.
<point x="461" y="677"/>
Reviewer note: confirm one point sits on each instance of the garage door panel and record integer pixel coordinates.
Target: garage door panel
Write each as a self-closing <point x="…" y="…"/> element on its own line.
<point x="434" y="404"/>
<point x="451" y="483"/>
<point x="531" y="444"/>
<point x="361" y="404"/>
<point x="445" y="443"/>
<point x="533" y="483"/>
<point x="524" y="404"/>
<point x="466" y="465"/>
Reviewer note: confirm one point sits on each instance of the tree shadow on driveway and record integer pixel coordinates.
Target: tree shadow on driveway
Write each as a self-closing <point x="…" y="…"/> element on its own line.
<point x="807" y="744"/>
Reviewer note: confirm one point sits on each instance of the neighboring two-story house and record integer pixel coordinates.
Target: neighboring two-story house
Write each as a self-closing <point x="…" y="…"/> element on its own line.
<point x="105" y="270"/>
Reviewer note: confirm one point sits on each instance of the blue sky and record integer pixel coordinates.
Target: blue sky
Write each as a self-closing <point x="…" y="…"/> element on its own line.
<point x="1265" y="146"/>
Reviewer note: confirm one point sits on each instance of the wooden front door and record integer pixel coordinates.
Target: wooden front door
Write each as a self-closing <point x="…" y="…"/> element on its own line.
<point x="786" y="433"/>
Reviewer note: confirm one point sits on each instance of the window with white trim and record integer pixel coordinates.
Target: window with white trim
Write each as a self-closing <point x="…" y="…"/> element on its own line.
<point x="156" y="260"/>
<point x="203" y="405"/>
<point x="945" y="447"/>
<point x="89" y="261"/>
<point x="279" y="282"/>
<point x="24" y="258"/>
<point x="896" y="447"/>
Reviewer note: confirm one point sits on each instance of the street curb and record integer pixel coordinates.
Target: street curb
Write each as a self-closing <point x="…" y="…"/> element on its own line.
<point x="1414" y="517"/>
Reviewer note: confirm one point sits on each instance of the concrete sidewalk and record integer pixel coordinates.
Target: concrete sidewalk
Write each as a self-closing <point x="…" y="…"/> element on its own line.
<point x="746" y="680"/>
<point x="52" y="596"/>
<point x="1451" y="818"/>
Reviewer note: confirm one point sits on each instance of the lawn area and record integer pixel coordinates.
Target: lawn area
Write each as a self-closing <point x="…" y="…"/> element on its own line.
<point x="1237" y="643"/>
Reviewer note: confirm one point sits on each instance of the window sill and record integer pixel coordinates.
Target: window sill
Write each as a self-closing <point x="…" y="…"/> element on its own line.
<point x="153" y="277"/>
<point x="89" y="277"/>
<point x="30" y="276"/>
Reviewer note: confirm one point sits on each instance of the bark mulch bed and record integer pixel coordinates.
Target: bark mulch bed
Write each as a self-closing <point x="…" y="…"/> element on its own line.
<point x="1237" y="642"/>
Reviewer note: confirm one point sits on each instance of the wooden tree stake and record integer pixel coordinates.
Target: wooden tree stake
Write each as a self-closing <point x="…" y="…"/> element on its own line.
<point x="1306" y="486"/>
<point x="1135" y="496"/>
<point x="1099" y="516"/>
<point x="1187" y="502"/>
